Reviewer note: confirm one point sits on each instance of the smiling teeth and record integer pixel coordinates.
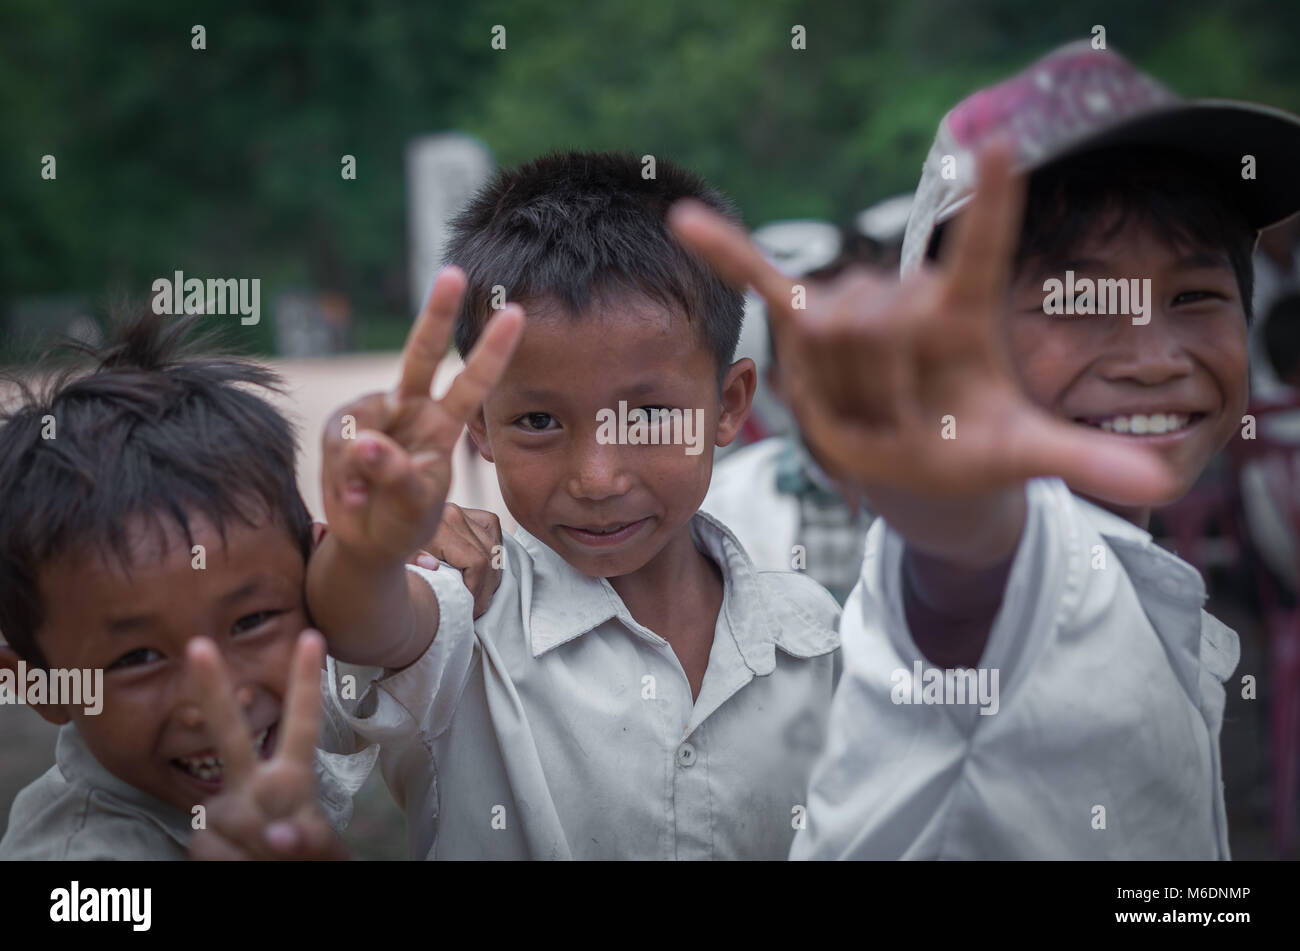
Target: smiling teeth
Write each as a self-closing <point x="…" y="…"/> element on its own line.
<point x="1139" y="424"/>
<point x="211" y="767"/>
<point x="204" y="767"/>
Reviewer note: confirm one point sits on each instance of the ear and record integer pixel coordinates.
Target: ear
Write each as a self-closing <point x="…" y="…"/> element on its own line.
<point x="477" y="429"/>
<point x="737" y="397"/>
<point x="9" y="661"/>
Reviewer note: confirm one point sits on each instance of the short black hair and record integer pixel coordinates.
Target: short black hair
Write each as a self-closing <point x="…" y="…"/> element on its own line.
<point x="1281" y="332"/>
<point x="573" y="226"/>
<point x="161" y="426"/>
<point x="1172" y="193"/>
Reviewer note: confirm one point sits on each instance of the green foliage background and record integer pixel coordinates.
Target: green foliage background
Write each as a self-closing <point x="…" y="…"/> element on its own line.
<point x="226" y="161"/>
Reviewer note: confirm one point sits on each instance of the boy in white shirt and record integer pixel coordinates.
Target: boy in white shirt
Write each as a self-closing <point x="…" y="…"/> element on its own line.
<point x="636" y="689"/>
<point x="1027" y="674"/>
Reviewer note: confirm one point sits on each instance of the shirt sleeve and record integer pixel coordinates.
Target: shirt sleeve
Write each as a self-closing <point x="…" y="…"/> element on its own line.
<point x="417" y="700"/>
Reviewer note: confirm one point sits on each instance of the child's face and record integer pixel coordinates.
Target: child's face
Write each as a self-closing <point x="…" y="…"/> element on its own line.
<point x="135" y="622"/>
<point x="608" y="509"/>
<point x="1189" y="361"/>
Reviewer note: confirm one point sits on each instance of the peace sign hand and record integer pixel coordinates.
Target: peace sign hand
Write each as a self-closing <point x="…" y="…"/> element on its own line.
<point x="266" y="809"/>
<point x="386" y="466"/>
<point x="878" y="366"/>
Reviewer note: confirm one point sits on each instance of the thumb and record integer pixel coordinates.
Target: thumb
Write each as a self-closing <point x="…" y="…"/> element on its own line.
<point x="1091" y="462"/>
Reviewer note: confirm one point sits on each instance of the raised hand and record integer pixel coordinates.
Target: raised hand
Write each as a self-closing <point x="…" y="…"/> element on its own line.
<point x="386" y="465"/>
<point x="266" y="809"/>
<point x="879" y="368"/>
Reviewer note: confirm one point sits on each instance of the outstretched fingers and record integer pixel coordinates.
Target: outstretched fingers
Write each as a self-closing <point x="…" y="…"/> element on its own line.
<point x="1091" y="462"/>
<point x="484" y="365"/>
<point x="221" y="711"/>
<point x="300" y="725"/>
<point x="427" y="343"/>
<point x="731" y="253"/>
<point x="979" y="259"/>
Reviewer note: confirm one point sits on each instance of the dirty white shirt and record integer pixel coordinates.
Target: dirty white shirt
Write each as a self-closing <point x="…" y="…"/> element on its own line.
<point x="558" y="727"/>
<point x="78" y="810"/>
<point x="1105" y="743"/>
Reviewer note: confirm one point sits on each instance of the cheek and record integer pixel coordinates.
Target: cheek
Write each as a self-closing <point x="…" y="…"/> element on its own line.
<point x="1228" y="360"/>
<point x="124" y="733"/>
<point x="678" y="480"/>
<point x="1042" y="361"/>
<point x="526" y="479"/>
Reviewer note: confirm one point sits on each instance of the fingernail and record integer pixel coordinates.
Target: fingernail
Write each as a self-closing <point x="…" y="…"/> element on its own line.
<point x="427" y="561"/>
<point x="370" y="450"/>
<point x="281" y="836"/>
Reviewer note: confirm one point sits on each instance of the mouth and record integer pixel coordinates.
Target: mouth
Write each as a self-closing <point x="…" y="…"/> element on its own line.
<point x="206" y="767"/>
<point x="1143" y="424"/>
<point x="606" y="535"/>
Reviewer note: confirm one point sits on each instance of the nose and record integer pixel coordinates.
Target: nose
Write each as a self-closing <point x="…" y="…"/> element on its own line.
<point x="598" y="472"/>
<point x="1150" y="354"/>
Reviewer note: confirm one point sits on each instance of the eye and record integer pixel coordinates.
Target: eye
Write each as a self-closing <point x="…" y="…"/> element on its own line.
<point x="536" y="422"/>
<point x="250" y="621"/>
<point x="136" y="658"/>
<point x="1193" y="297"/>
<point x="655" y="415"/>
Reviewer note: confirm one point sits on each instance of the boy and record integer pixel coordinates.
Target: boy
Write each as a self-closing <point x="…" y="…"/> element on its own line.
<point x="152" y="532"/>
<point x="1086" y="724"/>
<point x="636" y="689"/>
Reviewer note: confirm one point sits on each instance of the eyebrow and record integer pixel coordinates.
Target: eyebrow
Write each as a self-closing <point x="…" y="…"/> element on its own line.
<point x="1083" y="264"/>
<point x="1201" y="259"/>
<point x="243" y="591"/>
<point x="633" y="390"/>
<point x="134" y="622"/>
<point x="129" y="624"/>
<point x="1049" y="268"/>
<point x="640" y="389"/>
<point x="1195" y="261"/>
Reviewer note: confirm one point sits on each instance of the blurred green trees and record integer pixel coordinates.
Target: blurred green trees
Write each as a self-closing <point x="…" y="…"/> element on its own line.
<point x="226" y="160"/>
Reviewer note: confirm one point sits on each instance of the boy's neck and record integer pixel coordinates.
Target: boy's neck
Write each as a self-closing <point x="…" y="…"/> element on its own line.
<point x="678" y="595"/>
<point x="673" y="584"/>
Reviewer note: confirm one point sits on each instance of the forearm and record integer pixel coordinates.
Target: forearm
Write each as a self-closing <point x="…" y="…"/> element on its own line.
<point x="967" y="533"/>
<point x="372" y="612"/>
<point x="955" y="567"/>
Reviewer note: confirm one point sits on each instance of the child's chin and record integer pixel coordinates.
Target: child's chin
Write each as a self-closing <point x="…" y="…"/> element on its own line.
<point x="611" y="566"/>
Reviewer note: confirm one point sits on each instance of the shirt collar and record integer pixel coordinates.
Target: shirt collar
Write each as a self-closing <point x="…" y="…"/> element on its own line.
<point x="1172" y="592"/>
<point x="1144" y="560"/>
<point x="566" y="603"/>
<point x="78" y="765"/>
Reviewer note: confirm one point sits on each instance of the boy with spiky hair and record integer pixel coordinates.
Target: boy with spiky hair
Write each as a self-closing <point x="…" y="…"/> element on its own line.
<point x="1015" y="454"/>
<point x="150" y="503"/>
<point x="636" y="689"/>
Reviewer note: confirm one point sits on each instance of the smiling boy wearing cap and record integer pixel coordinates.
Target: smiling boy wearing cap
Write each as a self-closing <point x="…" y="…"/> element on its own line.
<point x="1015" y="456"/>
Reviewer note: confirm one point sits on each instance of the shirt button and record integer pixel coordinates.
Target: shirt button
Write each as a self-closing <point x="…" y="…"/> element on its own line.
<point x="685" y="755"/>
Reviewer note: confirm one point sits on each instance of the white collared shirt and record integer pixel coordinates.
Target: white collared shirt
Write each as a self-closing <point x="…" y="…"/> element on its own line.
<point x="557" y="727"/>
<point x="1105" y="743"/>
<point x="78" y="810"/>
